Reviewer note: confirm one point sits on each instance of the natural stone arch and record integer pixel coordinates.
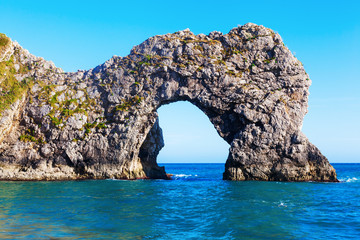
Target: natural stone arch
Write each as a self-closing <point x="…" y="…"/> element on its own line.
<point x="253" y="153"/>
<point x="103" y="123"/>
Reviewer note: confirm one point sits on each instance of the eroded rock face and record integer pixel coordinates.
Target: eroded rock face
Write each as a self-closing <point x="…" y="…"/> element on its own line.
<point x="102" y="123"/>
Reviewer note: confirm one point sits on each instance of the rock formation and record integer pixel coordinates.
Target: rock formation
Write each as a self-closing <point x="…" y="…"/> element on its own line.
<point x="102" y="123"/>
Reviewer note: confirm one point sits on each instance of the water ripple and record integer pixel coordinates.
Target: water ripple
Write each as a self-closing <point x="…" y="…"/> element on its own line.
<point x="197" y="204"/>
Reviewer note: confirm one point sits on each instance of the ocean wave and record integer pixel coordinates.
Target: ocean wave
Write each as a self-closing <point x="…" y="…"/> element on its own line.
<point x="183" y="175"/>
<point x="349" y="179"/>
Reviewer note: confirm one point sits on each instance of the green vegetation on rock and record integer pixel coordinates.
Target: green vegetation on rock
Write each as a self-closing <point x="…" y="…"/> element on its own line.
<point x="10" y="88"/>
<point x="29" y="136"/>
<point x="4" y="40"/>
<point x="67" y="106"/>
<point x="126" y="105"/>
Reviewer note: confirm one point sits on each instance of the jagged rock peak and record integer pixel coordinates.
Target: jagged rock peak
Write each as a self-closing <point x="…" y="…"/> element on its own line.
<point x="103" y="123"/>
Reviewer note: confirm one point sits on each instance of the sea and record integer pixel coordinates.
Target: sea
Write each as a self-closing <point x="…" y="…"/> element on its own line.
<point x="196" y="204"/>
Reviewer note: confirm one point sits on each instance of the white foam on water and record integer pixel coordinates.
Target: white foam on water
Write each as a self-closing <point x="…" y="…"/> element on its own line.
<point x="353" y="179"/>
<point x="349" y="179"/>
<point x="182" y="175"/>
<point x="112" y="179"/>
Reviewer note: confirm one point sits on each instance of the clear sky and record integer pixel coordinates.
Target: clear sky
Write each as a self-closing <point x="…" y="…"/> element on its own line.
<point x="324" y="36"/>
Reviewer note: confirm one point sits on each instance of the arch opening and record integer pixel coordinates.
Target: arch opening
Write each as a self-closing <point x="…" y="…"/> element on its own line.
<point x="186" y="136"/>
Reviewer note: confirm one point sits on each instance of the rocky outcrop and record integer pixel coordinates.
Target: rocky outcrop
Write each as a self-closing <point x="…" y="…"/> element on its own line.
<point x="102" y="123"/>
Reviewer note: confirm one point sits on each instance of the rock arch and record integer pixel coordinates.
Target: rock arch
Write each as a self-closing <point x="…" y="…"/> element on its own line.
<point x="102" y="123"/>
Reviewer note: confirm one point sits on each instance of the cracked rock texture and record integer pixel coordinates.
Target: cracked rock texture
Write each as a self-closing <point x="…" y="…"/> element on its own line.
<point x="103" y="123"/>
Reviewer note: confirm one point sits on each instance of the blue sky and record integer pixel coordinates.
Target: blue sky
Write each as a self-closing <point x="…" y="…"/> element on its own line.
<point x="324" y="35"/>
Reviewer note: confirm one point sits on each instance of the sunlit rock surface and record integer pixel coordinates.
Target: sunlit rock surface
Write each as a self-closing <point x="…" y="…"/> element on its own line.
<point x="102" y="123"/>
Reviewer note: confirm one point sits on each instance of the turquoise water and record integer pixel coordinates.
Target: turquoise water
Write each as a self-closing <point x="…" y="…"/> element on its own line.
<point x="197" y="204"/>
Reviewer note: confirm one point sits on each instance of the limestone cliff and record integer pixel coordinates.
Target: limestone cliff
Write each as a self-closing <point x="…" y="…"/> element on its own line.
<point x="102" y="123"/>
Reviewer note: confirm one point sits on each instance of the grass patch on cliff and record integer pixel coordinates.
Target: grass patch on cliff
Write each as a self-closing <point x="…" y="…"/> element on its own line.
<point x="10" y="88"/>
<point x="233" y="73"/>
<point x="89" y="126"/>
<point x="126" y="105"/>
<point x="29" y="136"/>
<point x="64" y="104"/>
<point x="269" y="60"/>
<point x="4" y="41"/>
<point x="56" y="121"/>
<point x="101" y="126"/>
